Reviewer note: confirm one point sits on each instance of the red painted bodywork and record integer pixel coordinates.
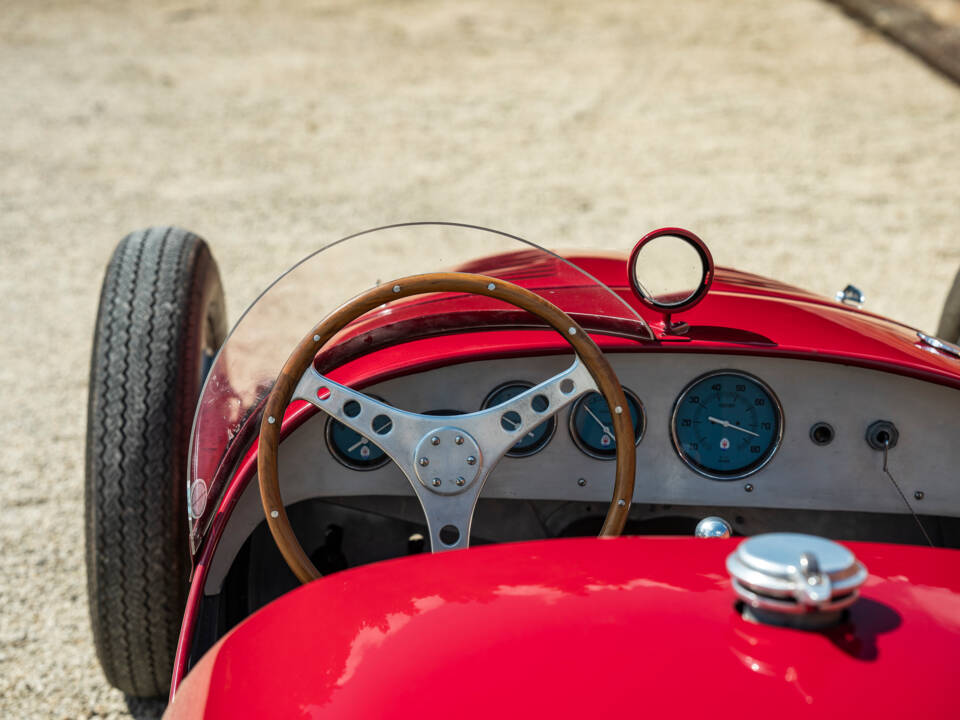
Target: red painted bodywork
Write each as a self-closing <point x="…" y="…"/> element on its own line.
<point x="675" y="616"/>
<point x="575" y="628"/>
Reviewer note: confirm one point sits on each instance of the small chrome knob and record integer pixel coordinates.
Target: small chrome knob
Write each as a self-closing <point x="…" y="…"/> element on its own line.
<point x="713" y="527"/>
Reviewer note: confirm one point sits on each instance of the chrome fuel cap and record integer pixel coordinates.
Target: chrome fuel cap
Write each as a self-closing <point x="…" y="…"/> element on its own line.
<point x="783" y="577"/>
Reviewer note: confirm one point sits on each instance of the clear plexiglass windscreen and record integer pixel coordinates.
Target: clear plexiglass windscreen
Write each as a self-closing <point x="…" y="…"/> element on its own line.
<point x="247" y="365"/>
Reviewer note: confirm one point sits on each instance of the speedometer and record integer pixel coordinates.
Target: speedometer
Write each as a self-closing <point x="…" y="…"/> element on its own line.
<point x="727" y="425"/>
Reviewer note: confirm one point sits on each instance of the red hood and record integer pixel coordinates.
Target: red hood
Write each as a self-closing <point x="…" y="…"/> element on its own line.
<point x="572" y="628"/>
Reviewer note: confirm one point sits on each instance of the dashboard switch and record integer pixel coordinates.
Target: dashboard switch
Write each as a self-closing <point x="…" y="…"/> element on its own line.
<point x="882" y="434"/>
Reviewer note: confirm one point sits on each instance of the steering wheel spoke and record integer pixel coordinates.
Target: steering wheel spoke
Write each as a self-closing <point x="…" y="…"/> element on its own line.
<point x="393" y="431"/>
<point x="499" y="428"/>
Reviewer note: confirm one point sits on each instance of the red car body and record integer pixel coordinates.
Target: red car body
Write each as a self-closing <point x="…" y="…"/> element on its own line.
<point x="570" y="628"/>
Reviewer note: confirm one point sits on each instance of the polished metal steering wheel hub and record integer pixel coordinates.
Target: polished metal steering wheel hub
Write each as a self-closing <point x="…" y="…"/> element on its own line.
<point x="448" y="460"/>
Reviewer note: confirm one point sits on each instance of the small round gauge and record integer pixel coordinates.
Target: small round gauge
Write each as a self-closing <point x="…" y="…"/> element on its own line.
<point x="726" y="425"/>
<point x="353" y="449"/>
<point x="535" y="440"/>
<point x="591" y="426"/>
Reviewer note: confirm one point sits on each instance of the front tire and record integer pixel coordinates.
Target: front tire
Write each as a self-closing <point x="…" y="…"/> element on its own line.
<point x="160" y="320"/>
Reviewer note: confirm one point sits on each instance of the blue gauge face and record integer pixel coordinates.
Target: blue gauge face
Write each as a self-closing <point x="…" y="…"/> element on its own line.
<point x="353" y="449"/>
<point x="726" y="425"/>
<point x="592" y="428"/>
<point x="536" y="439"/>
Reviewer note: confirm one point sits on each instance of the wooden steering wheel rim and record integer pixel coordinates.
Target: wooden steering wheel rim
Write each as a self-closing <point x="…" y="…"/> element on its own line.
<point x="305" y="352"/>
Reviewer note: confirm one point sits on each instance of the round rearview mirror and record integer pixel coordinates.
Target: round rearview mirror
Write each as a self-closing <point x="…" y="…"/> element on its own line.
<point x="670" y="270"/>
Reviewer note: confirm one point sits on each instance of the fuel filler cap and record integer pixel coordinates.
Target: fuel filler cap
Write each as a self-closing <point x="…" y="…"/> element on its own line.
<point x="794" y="579"/>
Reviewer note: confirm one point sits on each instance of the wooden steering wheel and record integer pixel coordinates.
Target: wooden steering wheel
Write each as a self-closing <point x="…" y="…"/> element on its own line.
<point x="446" y="459"/>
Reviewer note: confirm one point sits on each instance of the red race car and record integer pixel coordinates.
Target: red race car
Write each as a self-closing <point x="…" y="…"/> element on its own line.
<point x="685" y="489"/>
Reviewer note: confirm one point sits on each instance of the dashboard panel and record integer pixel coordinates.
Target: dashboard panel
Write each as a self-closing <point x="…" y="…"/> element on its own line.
<point x="798" y="470"/>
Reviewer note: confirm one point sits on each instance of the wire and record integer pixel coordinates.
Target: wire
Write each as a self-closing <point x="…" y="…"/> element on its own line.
<point x="886" y="447"/>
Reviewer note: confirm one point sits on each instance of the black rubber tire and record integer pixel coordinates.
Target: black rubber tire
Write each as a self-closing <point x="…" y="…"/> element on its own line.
<point x="161" y="314"/>
<point x="949" y="327"/>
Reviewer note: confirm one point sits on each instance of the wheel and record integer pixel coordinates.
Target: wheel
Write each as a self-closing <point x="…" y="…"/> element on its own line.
<point x="460" y="451"/>
<point x="160" y="321"/>
<point x="949" y="327"/>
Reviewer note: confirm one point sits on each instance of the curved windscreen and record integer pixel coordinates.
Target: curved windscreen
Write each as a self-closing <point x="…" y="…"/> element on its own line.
<point x="245" y="368"/>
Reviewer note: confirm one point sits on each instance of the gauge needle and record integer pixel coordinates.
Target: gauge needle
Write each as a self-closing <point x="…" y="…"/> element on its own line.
<point x="728" y="424"/>
<point x="361" y="441"/>
<point x="606" y="430"/>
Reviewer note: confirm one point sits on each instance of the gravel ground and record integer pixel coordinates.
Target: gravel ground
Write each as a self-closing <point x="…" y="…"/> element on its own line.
<point x="796" y="143"/>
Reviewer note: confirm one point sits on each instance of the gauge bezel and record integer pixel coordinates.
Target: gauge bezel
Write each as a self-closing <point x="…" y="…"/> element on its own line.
<point x="347" y="462"/>
<point x="578" y="441"/>
<point x="552" y="420"/>
<point x="751" y="469"/>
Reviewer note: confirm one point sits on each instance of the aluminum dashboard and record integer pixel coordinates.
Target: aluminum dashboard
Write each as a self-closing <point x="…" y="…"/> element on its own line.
<point x="846" y="474"/>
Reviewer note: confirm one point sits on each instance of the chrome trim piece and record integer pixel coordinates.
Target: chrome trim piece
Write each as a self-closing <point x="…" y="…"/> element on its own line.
<point x="767" y="456"/>
<point x="578" y="441"/>
<point x="942" y="345"/>
<point x="851" y="295"/>
<point x="552" y="421"/>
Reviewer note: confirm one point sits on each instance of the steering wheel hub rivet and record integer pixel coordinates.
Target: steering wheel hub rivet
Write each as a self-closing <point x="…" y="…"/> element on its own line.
<point x="471" y="460"/>
<point x="461" y="481"/>
<point x="424" y="461"/>
<point x="436" y="482"/>
<point x="434" y="440"/>
<point x="458" y="440"/>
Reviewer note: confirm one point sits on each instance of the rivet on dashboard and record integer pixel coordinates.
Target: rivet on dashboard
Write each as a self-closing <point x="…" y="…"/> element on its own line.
<point x="748" y="487"/>
<point x="436" y="482"/>
<point x="458" y="440"/>
<point x="461" y="482"/>
<point x="434" y="440"/>
<point x="918" y="495"/>
<point x="424" y="461"/>
<point x="471" y="460"/>
<point x="582" y="482"/>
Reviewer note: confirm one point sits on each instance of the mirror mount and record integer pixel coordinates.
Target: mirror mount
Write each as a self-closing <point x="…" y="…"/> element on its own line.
<point x="669" y="305"/>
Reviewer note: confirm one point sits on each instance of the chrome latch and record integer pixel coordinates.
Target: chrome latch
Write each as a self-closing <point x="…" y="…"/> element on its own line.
<point x="851" y="295"/>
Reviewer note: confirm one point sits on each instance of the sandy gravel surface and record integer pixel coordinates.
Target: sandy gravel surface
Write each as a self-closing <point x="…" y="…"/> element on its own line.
<point x="796" y="143"/>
